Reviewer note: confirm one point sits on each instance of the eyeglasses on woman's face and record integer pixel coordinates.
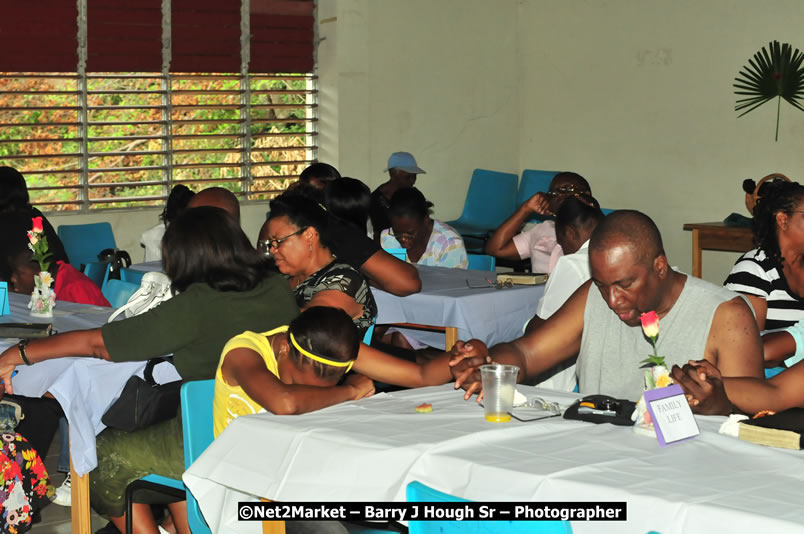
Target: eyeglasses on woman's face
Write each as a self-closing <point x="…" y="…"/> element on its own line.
<point x="266" y="245"/>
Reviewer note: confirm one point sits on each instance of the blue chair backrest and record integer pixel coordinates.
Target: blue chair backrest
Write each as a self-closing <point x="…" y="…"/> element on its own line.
<point x="491" y="198"/>
<point x="533" y="182"/>
<point x="98" y="272"/>
<point x="83" y="242"/>
<point x="418" y="492"/>
<point x="400" y="253"/>
<point x="482" y="262"/>
<point x="131" y="275"/>
<point x="196" y="420"/>
<point x="117" y="292"/>
<point x="606" y="211"/>
<point x="368" y="334"/>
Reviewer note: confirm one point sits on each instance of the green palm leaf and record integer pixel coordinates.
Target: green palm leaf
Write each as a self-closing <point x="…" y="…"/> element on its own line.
<point x="774" y="72"/>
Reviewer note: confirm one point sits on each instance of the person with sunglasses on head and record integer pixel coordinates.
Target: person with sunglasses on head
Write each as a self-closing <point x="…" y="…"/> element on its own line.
<point x="298" y="236"/>
<point x="539" y="242"/>
<point x="771" y="276"/>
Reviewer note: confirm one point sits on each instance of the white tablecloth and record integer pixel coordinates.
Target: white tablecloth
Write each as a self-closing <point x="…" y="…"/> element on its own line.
<point x="491" y="315"/>
<point x="370" y="449"/>
<point x="84" y="387"/>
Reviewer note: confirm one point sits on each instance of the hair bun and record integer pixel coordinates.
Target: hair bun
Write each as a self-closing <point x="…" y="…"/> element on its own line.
<point x="752" y="196"/>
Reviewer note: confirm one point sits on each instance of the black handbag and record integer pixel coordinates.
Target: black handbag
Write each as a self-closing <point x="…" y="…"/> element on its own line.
<point x="143" y="402"/>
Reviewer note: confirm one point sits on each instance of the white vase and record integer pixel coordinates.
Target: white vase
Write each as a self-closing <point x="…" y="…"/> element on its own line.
<point x="43" y="298"/>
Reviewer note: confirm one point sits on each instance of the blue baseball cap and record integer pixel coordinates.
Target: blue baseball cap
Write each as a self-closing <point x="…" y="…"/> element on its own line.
<point x="404" y="161"/>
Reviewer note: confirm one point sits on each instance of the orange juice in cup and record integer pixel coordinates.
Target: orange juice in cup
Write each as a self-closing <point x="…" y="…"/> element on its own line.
<point x="499" y="387"/>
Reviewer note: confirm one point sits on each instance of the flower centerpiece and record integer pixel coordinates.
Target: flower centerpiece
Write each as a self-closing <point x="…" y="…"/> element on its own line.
<point x="656" y="373"/>
<point x="43" y="297"/>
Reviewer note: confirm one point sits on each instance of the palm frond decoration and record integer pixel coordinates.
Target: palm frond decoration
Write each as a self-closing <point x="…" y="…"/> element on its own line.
<point x="774" y="72"/>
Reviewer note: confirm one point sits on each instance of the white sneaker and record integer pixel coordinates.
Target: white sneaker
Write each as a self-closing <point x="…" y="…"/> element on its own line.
<point x="63" y="496"/>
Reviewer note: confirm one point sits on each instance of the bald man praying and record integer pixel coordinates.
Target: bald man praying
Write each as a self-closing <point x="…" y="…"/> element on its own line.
<point x="601" y="321"/>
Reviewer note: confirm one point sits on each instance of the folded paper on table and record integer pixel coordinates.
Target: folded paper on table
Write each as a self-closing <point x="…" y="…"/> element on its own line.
<point x="671" y="414"/>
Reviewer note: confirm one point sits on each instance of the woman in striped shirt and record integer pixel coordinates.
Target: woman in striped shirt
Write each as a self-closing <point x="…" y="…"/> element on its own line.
<point x="772" y="275"/>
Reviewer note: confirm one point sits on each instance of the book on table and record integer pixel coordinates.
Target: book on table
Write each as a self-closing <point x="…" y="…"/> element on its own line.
<point x="783" y="429"/>
<point x="529" y="279"/>
<point x="25" y="330"/>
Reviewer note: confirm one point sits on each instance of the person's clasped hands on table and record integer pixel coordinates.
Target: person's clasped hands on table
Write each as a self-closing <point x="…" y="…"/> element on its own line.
<point x="467" y="357"/>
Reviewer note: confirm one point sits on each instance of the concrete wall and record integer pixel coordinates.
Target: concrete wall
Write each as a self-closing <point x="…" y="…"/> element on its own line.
<point x="636" y="95"/>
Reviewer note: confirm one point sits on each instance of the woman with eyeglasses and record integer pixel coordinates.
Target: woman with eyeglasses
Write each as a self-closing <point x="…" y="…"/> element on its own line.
<point x="427" y="241"/>
<point x="510" y="242"/>
<point x="296" y="235"/>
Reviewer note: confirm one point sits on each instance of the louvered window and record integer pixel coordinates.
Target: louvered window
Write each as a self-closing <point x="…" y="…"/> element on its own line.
<point x="96" y="140"/>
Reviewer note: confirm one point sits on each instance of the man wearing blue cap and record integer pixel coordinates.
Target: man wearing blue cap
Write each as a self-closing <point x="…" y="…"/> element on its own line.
<point x="402" y="170"/>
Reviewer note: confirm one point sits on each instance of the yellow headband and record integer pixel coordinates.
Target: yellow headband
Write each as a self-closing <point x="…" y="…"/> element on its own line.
<point x="320" y="359"/>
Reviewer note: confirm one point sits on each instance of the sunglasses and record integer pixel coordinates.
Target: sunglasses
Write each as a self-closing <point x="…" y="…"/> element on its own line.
<point x="566" y="190"/>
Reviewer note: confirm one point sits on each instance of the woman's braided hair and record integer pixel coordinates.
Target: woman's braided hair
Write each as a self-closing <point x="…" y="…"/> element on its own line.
<point x="774" y="196"/>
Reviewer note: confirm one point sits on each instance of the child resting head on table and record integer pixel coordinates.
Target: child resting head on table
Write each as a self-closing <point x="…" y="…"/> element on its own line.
<point x="291" y="369"/>
<point x="295" y="369"/>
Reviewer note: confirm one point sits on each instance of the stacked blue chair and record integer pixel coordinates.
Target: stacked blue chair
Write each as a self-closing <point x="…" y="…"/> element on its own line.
<point x="83" y="242"/>
<point x="482" y="262"/>
<point x="117" y="292"/>
<point x="490" y="200"/>
<point x="196" y="420"/>
<point x="98" y="272"/>
<point x="418" y="492"/>
<point x="131" y="275"/>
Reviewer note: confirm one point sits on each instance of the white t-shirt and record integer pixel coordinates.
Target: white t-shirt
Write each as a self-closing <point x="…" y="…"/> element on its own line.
<point x="539" y="244"/>
<point x="570" y="273"/>
<point x="151" y="239"/>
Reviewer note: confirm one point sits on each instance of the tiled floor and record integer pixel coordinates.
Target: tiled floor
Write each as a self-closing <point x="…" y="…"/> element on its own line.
<point x="56" y="519"/>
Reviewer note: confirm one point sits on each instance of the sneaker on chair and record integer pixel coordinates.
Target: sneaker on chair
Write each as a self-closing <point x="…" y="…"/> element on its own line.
<point x="63" y="495"/>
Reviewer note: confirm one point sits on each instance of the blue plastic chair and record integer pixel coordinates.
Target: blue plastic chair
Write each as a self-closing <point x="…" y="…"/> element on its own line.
<point x="533" y="182"/>
<point x="770" y="372"/>
<point x="418" y="492"/>
<point x="368" y="334"/>
<point x="117" y="292"/>
<point x="490" y="200"/>
<point x="98" y="272"/>
<point x="482" y="262"/>
<point x="83" y="242"/>
<point x="606" y="211"/>
<point x="399" y="253"/>
<point x="131" y="275"/>
<point x="196" y="420"/>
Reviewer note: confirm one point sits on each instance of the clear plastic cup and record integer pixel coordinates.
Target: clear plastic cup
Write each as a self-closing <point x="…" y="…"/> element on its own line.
<point x="499" y="386"/>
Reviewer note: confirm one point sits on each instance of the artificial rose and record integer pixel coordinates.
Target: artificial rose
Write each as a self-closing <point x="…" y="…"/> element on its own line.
<point x="650" y="324"/>
<point x="37" y="225"/>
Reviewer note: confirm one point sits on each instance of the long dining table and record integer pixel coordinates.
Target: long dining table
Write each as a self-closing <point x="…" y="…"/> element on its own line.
<point x="462" y="302"/>
<point x="369" y="450"/>
<point x="84" y="387"/>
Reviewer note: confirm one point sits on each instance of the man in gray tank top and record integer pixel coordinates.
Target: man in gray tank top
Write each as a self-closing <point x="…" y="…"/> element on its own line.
<point x="601" y="321"/>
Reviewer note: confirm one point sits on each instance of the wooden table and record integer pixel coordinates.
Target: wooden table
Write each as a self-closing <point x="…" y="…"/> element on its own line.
<point x="717" y="236"/>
